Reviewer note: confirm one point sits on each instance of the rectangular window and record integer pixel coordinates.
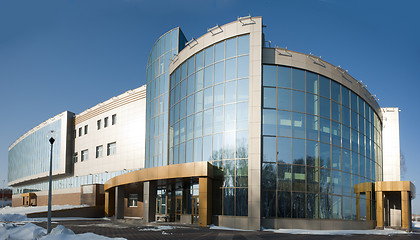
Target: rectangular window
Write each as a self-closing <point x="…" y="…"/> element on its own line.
<point x="75" y="157"/>
<point x="111" y="149"/>
<point x="132" y="200"/>
<point x="85" y="155"/>
<point x="105" y="122"/>
<point x="99" y="151"/>
<point x="86" y="129"/>
<point x="99" y="124"/>
<point x="114" y="119"/>
<point x="80" y="131"/>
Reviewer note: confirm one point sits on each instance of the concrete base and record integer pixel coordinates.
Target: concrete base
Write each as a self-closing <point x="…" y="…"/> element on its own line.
<point x="186" y="218"/>
<point x="316" y="224"/>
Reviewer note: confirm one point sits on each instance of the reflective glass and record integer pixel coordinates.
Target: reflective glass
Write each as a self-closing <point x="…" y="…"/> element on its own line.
<point x="182" y="153"/>
<point x="298" y="129"/>
<point x="312" y="207"/>
<point x="284" y="99"/>
<point x="219" y="51"/>
<point x="208" y="76"/>
<point x="243" y="44"/>
<point x="207" y="148"/>
<point x="284" y="123"/>
<point x="218" y="94"/>
<point x="336" y="158"/>
<point x="218" y="120"/>
<point x="325" y="155"/>
<point x="312" y="153"/>
<point x="198" y="150"/>
<point x="209" y="55"/>
<point x="231" y="47"/>
<point x="208" y="98"/>
<point x="243" y="90"/>
<point x="243" y="66"/>
<point x="269" y="75"/>
<point x="312" y="175"/>
<point x="230" y="92"/>
<point x="283" y="148"/>
<point x="298" y="101"/>
<point x="298" y="79"/>
<point x="336" y="183"/>
<point x="230" y="69"/>
<point x="325" y="105"/>
<point x="298" y="151"/>
<point x="198" y="101"/>
<point x="336" y="111"/>
<point x="229" y="148"/>
<point x="199" y="60"/>
<point x="269" y="122"/>
<point x="219" y="72"/>
<point x="284" y="205"/>
<point x="325" y="130"/>
<point x="217" y="146"/>
<point x="312" y="127"/>
<point x="336" y="207"/>
<point x="191" y="65"/>
<point x="355" y="163"/>
<point x="190" y="105"/>
<point x="268" y="199"/>
<point x="199" y="80"/>
<point x="242" y="144"/>
<point x="335" y="91"/>
<point x="269" y="149"/>
<point x="241" y="202"/>
<point x="242" y="115"/>
<point x="354" y="102"/>
<point x="284" y="77"/>
<point x="324" y="86"/>
<point x="312" y="104"/>
<point x="298" y="206"/>
<point x="190" y="127"/>
<point x="311" y="82"/>
<point x="345" y="96"/>
<point x="198" y="124"/>
<point x="284" y="177"/>
<point x="268" y="176"/>
<point x="230" y="115"/>
<point x="228" y="201"/>
<point x="207" y="122"/>
<point x="336" y="133"/>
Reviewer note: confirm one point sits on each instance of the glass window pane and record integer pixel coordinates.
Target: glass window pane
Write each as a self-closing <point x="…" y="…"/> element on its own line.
<point x="298" y="100"/>
<point x="336" y="133"/>
<point x="268" y="176"/>
<point x="269" y="122"/>
<point x="312" y="174"/>
<point x="325" y="180"/>
<point x="230" y="69"/>
<point x="312" y="104"/>
<point x="336" y="183"/>
<point x="183" y="89"/>
<point x="284" y="75"/>
<point x="209" y="55"/>
<point x="243" y="44"/>
<point x="243" y="90"/>
<point x="269" y="75"/>
<point x="198" y="101"/>
<point x="217" y="146"/>
<point x="242" y="115"/>
<point x="182" y="153"/>
<point x="284" y="205"/>
<point x="198" y="150"/>
<point x="228" y="201"/>
<point x="324" y="86"/>
<point x="335" y="91"/>
<point x="284" y="178"/>
<point x="243" y="66"/>
<point x="325" y="155"/>
<point x="229" y="148"/>
<point x="336" y="111"/>
<point x="284" y="123"/>
<point x="325" y="130"/>
<point x="325" y="206"/>
<point x="346" y="161"/>
<point x="311" y="82"/>
<point x="345" y="116"/>
<point x="218" y="120"/>
<point x="191" y="65"/>
<point x="298" y="206"/>
<point x="230" y="92"/>
<point x="199" y="80"/>
<point x="190" y="105"/>
<point x="208" y="98"/>
<point x="182" y="130"/>
<point x="182" y="108"/>
<point x="269" y="99"/>
<point x="199" y="60"/>
<point x="312" y="210"/>
<point x="230" y="115"/>
<point x="312" y="127"/>
<point x="207" y="121"/>
<point x="298" y="79"/>
<point x="231" y="47"/>
<point x="347" y="184"/>
<point x="242" y="144"/>
<point x="219" y="51"/>
<point x="208" y="76"/>
<point x="190" y="127"/>
<point x="198" y="124"/>
<point x="312" y="153"/>
<point x="268" y="199"/>
<point x="219" y="72"/>
<point x="241" y="202"/>
<point x="218" y="94"/>
<point x="190" y="85"/>
<point x="346" y="95"/>
<point x="269" y="149"/>
<point x="354" y="102"/>
<point x="284" y="147"/>
<point x="325" y="107"/>
<point x="355" y="163"/>
<point x="284" y="99"/>
<point x="207" y="148"/>
<point x="298" y="151"/>
<point x="298" y="130"/>
<point x="336" y="207"/>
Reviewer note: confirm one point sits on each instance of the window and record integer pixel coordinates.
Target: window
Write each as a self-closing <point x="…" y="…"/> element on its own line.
<point x="105" y="122"/>
<point x="85" y="155"/>
<point x="99" y="151"/>
<point x="114" y="119"/>
<point x="75" y="157"/>
<point x="86" y="129"/>
<point x="80" y="131"/>
<point x="111" y="149"/>
<point x="132" y="200"/>
<point x="99" y="124"/>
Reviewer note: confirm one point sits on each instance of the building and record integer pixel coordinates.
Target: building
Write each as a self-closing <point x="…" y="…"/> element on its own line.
<point x="243" y="135"/>
<point x="90" y="148"/>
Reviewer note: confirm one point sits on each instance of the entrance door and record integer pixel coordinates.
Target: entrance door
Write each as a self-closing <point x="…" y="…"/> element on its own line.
<point x="178" y="208"/>
<point x="195" y="209"/>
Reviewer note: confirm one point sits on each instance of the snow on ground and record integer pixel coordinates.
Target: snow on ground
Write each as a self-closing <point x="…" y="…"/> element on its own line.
<point x="36" y="209"/>
<point x="213" y="227"/>
<point x="158" y="228"/>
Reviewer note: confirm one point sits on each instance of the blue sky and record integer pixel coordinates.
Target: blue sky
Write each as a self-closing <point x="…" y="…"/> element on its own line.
<point x="71" y="55"/>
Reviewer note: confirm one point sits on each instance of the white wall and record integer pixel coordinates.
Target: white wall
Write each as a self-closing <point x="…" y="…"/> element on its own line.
<point x="391" y="144"/>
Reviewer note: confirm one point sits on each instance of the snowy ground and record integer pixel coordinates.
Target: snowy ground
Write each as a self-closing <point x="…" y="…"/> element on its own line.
<point x="15" y="225"/>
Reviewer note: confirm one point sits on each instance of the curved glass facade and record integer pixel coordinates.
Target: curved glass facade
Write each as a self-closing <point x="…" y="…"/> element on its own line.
<point x="157" y="80"/>
<point x="208" y="117"/>
<point x="32" y="154"/>
<point x="319" y="139"/>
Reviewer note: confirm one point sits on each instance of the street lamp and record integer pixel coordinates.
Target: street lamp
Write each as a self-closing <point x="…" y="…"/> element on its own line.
<point x="52" y="140"/>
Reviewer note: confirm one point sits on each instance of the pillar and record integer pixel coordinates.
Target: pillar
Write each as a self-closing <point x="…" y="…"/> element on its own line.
<point x="405" y="211"/>
<point x="368" y="204"/>
<point x="379" y="210"/>
<point x="358" y="206"/>
<point x="119" y="202"/>
<point x="205" y="197"/>
<point x="149" y="200"/>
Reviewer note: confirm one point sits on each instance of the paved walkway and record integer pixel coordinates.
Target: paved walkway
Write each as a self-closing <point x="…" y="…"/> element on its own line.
<point x="133" y="230"/>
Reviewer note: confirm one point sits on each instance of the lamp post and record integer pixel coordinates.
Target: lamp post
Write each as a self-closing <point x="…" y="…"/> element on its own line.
<point x="52" y="140"/>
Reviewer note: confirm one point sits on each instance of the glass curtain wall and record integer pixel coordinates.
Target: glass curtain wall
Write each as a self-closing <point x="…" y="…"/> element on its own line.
<point x="32" y="154"/>
<point x="319" y="140"/>
<point x="157" y="80"/>
<point x="208" y="116"/>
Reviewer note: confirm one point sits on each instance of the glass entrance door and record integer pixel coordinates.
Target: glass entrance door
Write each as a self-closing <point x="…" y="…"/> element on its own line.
<point x="178" y="208"/>
<point x="195" y="209"/>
